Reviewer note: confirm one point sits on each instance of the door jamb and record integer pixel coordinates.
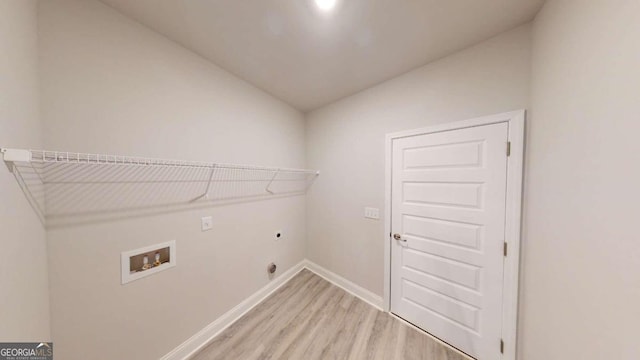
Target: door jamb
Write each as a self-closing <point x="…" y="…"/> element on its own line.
<point x="513" y="214"/>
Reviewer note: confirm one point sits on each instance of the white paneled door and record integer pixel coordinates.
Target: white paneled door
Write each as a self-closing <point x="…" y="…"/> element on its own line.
<point x="448" y="222"/>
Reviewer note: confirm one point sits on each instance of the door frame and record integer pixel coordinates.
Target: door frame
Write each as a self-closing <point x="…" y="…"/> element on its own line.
<point x="513" y="214"/>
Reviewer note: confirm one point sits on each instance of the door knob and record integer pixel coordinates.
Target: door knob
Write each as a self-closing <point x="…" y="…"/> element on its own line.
<point x="398" y="237"/>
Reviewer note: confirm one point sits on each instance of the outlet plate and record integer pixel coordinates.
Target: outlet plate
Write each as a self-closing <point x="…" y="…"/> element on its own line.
<point x="372" y="213"/>
<point x="207" y="223"/>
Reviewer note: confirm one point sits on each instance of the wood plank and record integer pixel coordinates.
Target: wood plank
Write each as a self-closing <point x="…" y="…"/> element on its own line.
<point x="309" y="318"/>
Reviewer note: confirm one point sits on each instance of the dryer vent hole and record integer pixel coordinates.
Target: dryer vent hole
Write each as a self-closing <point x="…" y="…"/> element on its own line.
<point x="271" y="268"/>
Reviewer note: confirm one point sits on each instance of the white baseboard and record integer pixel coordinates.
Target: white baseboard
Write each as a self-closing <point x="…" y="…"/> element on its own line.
<point x="198" y="341"/>
<point x="356" y="290"/>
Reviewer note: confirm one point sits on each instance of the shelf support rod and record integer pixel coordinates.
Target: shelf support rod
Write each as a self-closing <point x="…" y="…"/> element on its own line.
<point x="28" y="194"/>
<point x="206" y="191"/>
<point x="271" y="181"/>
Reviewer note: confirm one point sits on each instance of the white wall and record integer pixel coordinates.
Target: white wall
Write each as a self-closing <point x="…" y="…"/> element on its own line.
<point x="345" y="141"/>
<point x="110" y="85"/>
<point x="24" y="299"/>
<point x="581" y="286"/>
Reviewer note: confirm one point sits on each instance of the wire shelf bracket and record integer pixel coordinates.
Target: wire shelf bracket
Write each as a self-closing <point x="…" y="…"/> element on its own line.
<point x="60" y="185"/>
<point x="205" y="195"/>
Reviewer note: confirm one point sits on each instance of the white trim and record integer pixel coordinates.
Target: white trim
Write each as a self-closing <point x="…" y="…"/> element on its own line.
<point x="516" y="120"/>
<point x="515" y="168"/>
<point x="388" y="155"/>
<point x="198" y="341"/>
<point x="356" y="290"/>
<point x="127" y="276"/>
<point x="456" y="125"/>
<point x="189" y="348"/>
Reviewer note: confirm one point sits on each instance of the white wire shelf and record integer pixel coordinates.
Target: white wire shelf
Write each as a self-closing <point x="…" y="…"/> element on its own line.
<point x="63" y="185"/>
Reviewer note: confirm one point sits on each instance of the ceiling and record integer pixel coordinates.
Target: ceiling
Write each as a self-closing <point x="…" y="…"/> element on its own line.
<point x="309" y="58"/>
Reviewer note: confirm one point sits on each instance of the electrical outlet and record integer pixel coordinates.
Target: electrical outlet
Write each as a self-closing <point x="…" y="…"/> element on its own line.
<point x="372" y="213"/>
<point x="207" y="223"/>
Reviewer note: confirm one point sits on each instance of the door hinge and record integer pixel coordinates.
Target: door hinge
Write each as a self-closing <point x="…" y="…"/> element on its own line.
<point x="501" y="346"/>
<point x="504" y="248"/>
<point x="508" y="148"/>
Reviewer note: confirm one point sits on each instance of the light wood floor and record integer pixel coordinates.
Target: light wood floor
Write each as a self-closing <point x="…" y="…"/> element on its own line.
<point x="309" y="318"/>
